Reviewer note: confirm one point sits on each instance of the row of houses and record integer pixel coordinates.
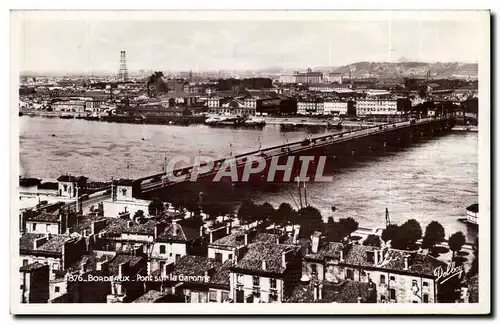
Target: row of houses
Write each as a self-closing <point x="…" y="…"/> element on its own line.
<point x="176" y="258"/>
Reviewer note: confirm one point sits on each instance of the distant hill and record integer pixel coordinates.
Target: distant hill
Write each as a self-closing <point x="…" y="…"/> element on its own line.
<point x="409" y="69"/>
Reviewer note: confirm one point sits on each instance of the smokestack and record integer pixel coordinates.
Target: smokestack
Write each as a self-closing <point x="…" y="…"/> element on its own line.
<point x="406" y="262"/>
<point x="283" y="259"/>
<point x="228" y="228"/>
<point x="341" y="255"/>
<point x="246" y="238"/>
<point x="375" y="257"/>
<point x="315" y="291"/>
<point x="201" y="231"/>
<point x="320" y="291"/>
<point x="264" y="265"/>
<point x="211" y="237"/>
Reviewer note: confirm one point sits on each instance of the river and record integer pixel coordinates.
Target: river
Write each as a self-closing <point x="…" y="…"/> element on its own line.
<point x="434" y="179"/>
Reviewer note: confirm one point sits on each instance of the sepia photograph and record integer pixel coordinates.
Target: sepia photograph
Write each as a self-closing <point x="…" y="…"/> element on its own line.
<point x="235" y="159"/>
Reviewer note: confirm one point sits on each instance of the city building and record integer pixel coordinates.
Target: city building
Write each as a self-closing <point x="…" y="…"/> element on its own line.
<point x="334" y="77"/>
<point x="267" y="272"/>
<point x="398" y="276"/>
<point x="335" y="107"/>
<point x="34" y="283"/>
<point x="122" y="202"/>
<point x="310" y="107"/>
<point x="380" y="107"/>
<point x="308" y="77"/>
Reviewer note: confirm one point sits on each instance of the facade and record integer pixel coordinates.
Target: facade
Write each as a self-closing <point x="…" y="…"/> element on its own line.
<point x="308" y="77"/>
<point x="266" y="272"/>
<point x="34" y="283"/>
<point x="334" y="77"/>
<point x="397" y="276"/>
<point x="310" y="107"/>
<point x="70" y="105"/>
<point x="122" y="202"/>
<point x="365" y="107"/>
<point x="335" y="108"/>
<point x="472" y="213"/>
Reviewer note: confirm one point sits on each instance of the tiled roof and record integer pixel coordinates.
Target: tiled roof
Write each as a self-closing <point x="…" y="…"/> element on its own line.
<point x="176" y="232"/>
<point x="394" y="260"/>
<point x="149" y="297"/>
<point x="232" y="240"/>
<point x="91" y="260"/>
<point x="194" y="265"/>
<point x="266" y="238"/>
<point x="45" y="217"/>
<point x="114" y="264"/>
<point x="147" y="228"/>
<point x="55" y="243"/>
<point x="326" y="250"/>
<point x="85" y="222"/>
<point x="221" y="275"/>
<point x="32" y="266"/>
<point x="26" y="241"/>
<point x="116" y="227"/>
<point x="271" y="253"/>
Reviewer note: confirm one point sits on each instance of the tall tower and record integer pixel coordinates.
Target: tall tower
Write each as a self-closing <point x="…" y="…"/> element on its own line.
<point x="123" y="73"/>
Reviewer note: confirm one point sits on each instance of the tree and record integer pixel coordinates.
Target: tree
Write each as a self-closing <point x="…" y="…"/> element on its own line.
<point x="310" y="220"/>
<point x="407" y="235"/>
<point x="334" y="231"/>
<point x="434" y="234"/>
<point x="389" y="232"/>
<point x="283" y="214"/>
<point x="475" y="265"/>
<point x="138" y="214"/>
<point x="246" y="213"/>
<point x="372" y="240"/>
<point x="348" y="225"/>
<point x="155" y="207"/>
<point x="456" y="241"/>
<point x="266" y="212"/>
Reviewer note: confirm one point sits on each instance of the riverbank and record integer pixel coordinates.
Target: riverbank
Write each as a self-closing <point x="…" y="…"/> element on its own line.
<point x="465" y="128"/>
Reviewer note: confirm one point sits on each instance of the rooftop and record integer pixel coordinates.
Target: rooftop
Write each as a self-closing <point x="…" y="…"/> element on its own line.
<point x="326" y="250"/>
<point x="177" y="232"/>
<point x="66" y="178"/>
<point x="44" y="216"/>
<point x="269" y="252"/>
<point x="147" y="228"/>
<point x="150" y="297"/>
<point x="29" y="182"/>
<point x="32" y="267"/>
<point x="54" y="244"/>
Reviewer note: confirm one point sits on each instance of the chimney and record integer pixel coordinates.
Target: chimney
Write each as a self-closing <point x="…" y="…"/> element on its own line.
<point x="375" y="257"/>
<point x="130" y="224"/>
<point x="246" y="238"/>
<point x="201" y="231"/>
<point x="83" y="267"/>
<point x="121" y="269"/>
<point x="264" y="265"/>
<point x="314" y="243"/>
<point x="342" y="255"/>
<point x="359" y="299"/>
<point x="283" y="258"/>
<point x="315" y="291"/>
<point x="211" y="234"/>
<point x="228" y="228"/>
<point x="320" y="291"/>
<point x="406" y="262"/>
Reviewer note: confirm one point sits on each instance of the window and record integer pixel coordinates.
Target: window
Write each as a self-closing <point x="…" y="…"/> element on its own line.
<point x="426" y="298"/>
<point x="392" y="278"/>
<point x="218" y="257"/>
<point x="25" y="262"/>
<point x="240" y="296"/>
<point x="392" y="294"/>
<point x="239" y="279"/>
<point x="382" y="279"/>
<point x="426" y="284"/>
<point x="177" y="257"/>
<point x="314" y="268"/>
<point x="170" y="254"/>
<point x="382" y="298"/>
<point x="414" y="283"/>
<point x="350" y="274"/>
<point x="273" y="297"/>
<point x="256" y="280"/>
<point x="212" y="298"/>
<point x="230" y="256"/>
<point x="55" y="266"/>
<point x="34" y="227"/>
<point x="124" y="192"/>
<point x="56" y="289"/>
<point x="47" y="227"/>
<point x="272" y="283"/>
<point x="162" y="249"/>
<point x="225" y="296"/>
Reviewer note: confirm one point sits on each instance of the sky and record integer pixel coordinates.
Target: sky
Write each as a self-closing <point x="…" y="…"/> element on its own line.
<point x="90" y="45"/>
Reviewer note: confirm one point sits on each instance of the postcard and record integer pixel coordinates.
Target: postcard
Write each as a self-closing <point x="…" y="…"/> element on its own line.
<point x="250" y="162"/>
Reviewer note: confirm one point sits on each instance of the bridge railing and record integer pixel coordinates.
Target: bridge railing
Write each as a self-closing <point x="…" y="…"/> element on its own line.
<point x="325" y="139"/>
